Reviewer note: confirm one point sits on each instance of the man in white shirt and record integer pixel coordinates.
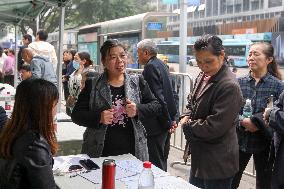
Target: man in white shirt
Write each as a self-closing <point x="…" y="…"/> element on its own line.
<point x="42" y="48"/>
<point x="2" y="59"/>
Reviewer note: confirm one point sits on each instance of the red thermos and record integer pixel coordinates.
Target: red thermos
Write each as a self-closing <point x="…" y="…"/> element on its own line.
<point x="108" y="174"/>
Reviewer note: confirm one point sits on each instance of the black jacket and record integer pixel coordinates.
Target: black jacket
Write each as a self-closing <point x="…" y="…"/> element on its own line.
<point x="157" y="76"/>
<point x="31" y="166"/>
<point x="3" y="117"/>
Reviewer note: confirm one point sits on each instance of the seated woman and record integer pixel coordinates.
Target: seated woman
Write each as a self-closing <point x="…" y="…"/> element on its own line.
<point x="28" y="140"/>
<point x="111" y="107"/>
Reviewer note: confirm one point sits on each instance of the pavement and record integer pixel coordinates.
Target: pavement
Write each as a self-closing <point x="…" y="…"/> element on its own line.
<point x="70" y="140"/>
<point x="70" y="136"/>
<point x="182" y="171"/>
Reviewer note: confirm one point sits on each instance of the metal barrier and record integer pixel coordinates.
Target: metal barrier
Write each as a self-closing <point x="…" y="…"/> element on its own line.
<point x="182" y="85"/>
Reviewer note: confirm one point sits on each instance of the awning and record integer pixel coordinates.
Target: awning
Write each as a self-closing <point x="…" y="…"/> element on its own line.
<point x="13" y="12"/>
<point x="191" y="8"/>
<point x="201" y="7"/>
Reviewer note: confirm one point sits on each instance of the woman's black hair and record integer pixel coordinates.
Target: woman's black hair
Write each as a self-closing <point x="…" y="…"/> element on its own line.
<point x="107" y="45"/>
<point x="211" y="43"/>
<point x="85" y="56"/>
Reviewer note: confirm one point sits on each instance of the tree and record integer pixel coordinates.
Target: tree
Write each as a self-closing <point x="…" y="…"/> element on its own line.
<point x="84" y="12"/>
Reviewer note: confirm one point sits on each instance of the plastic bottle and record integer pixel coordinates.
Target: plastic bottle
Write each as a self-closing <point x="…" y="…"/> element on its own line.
<point x="146" y="178"/>
<point x="8" y="102"/>
<point x="270" y="102"/>
<point x="247" y="110"/>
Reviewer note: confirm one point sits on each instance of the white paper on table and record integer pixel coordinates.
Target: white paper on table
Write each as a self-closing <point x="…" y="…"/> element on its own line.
<point x="135" y="165"/>
<point x="62" y="163"/>
<point x="167" y="182"/>
<point x="95" y="176"/>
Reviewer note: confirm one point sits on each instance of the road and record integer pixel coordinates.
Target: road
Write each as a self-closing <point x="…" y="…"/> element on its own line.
<point x="194" y="70"/>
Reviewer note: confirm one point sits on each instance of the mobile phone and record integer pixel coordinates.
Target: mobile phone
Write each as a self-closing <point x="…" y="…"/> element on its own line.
<point x="89" y="164"/>
<point x="75" y="167"/>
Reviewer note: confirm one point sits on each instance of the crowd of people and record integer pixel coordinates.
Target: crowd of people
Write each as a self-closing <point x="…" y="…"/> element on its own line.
<point x="126" y="113"/>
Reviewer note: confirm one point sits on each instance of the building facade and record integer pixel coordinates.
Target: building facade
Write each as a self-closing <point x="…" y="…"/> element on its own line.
<point x="225" y="17"/>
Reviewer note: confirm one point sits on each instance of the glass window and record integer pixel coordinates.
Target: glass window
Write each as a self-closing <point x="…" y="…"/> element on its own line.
<point x="262" y="16"/>
<point x="257" y="16"/>
<point x="196" y="14"/>
<point x="255" y="5"/>
<point x="235" y="50"/>
<point x="274" y="3"/>
<point x="223" y="7"/>
<point x="209" y="8"/>
<point x="230" y="6"/>
<point x="168" y="49"/>
<point x="261" y="4"/>
<point x="202" y="14"/>
<point x="190" y="50"/>
<point x="238" y="8"/>
<point x="215" y="3"/>
<point x="246" y="5"/>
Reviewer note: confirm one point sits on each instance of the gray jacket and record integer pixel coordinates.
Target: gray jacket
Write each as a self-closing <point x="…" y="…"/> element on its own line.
<point x="96" y="97"/>
<point x="42" y="68"/>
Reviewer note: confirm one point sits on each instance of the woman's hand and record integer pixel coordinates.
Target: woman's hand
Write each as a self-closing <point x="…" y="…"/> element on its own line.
<point x="183" y="121"/>
<point x="107" y="116"/>
<point x="131" y="109"/>
<point x="248" y="125"/>
<point x="173" y="127"/>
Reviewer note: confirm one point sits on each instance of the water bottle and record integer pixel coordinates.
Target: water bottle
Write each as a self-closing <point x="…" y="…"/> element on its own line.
<point x="247" y="110"/>
<point x="8" y="102"/>
<point x="270" y="102"/>
<point x="146" y="178"/>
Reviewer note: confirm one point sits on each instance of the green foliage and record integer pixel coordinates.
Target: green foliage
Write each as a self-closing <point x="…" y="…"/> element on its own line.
<point x="84" y="12"/>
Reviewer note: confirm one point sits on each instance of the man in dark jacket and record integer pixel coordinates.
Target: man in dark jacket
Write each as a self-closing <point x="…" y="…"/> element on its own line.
<point x="275" y="119"/>
<point x="158" y="129"/>
<point x="27" y="39"/>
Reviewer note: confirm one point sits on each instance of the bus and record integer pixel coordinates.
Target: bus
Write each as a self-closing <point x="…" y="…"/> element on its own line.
<point x="169" y="50"/>
<point x="237" y="51"/>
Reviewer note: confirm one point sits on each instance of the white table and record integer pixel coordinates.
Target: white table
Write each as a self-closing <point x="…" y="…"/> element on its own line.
<point x="162" y="179"/>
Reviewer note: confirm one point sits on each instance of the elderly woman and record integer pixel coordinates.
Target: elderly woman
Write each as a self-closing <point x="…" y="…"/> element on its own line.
<point x="111" y="107"/>
<point x="211" y="126"/>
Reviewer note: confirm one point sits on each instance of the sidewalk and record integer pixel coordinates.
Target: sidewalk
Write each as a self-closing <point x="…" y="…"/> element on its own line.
<point x="70" y="139"/>
<point x="182" y="171"/>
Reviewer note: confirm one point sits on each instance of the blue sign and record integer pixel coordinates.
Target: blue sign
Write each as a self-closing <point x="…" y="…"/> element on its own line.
<point x="154" y="26"/>
<point x="193" y="2"/>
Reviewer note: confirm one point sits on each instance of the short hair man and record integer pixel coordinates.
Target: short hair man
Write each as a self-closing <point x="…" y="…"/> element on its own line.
<point x="27" y="39"/>
<point x="157" y="76"/>
<point x="41" y="67"/>
<point x="42" y="48"/>
<point x="25" y="71"/>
